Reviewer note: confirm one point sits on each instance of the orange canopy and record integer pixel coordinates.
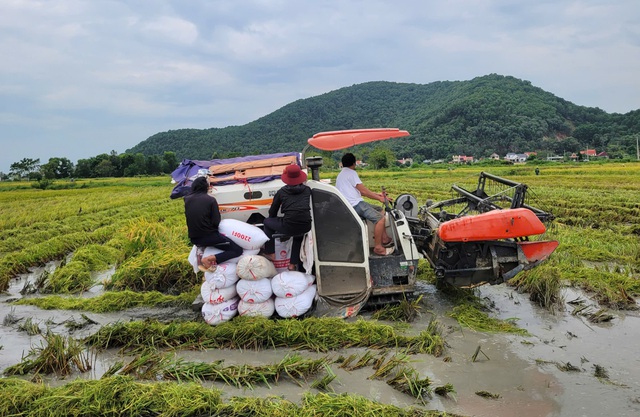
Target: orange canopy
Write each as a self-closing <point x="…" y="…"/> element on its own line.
<point x="341" y="139"/>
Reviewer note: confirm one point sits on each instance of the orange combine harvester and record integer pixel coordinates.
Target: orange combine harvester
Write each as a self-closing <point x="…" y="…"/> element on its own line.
<point x="473" y="239"/>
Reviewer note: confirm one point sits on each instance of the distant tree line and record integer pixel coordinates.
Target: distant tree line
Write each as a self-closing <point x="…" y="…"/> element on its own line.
<point x="103" y="165"/>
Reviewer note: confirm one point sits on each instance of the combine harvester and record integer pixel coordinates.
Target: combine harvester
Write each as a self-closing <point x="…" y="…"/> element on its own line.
<point x="473" y="242"/>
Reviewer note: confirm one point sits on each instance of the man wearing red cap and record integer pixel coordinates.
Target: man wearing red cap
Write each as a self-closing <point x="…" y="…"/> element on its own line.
<point x="293" y="200"/>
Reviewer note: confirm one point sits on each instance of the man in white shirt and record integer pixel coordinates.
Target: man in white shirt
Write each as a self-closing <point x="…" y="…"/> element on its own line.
<point x="349" y="184"/>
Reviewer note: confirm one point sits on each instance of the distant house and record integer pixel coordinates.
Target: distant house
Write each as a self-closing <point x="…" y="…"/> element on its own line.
<point x="405" y="161"/>
<point x="573" y="157"/>
<point x="516" y="158"/>
<point x="462" y="159"/>
<point x="589" y="152"/>
<point x="555" y="158"/>
<point x="531" y="153"/>
<point x="494" y="156"/>
<point x="361" y="164"/>
<point x="603" y="155"/>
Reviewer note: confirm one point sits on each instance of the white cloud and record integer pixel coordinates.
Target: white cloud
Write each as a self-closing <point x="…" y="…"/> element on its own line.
<point x="172" y="29"/>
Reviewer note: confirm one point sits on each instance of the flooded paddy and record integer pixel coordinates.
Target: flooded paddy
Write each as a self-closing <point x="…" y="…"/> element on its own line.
<point x="566" y="366"/>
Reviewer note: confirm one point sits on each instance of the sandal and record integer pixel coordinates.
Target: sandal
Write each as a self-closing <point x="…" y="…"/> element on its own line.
<point x="203" y="268"/>
<point x="387" y="251"/>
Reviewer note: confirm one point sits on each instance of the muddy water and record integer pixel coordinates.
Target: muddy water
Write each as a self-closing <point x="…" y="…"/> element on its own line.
<point x="520" y="369"/>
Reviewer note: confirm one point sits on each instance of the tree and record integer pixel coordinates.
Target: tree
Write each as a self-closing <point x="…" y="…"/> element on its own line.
<point x="169" y="162"/>
<point x="57" y="168"/>
<point x="25" y="167"/>
<point x="84" y="168"/>
<point x="104" y="169"/>
<point x="138" y="167"/>
<point x="381" y="157"/>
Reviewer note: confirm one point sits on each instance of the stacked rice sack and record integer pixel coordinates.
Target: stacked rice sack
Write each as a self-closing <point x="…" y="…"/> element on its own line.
<point x="254" y="286"/>
<point x="250" y="284"/>
<point x="219" y="289"/>
<point x="219" y="294"/>
<point x="294" y="293"/>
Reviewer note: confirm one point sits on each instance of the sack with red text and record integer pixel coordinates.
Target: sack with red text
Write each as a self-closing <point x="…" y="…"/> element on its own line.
<point x="291" y="283"/>
<point x="296" y="306"/>
<point x="224" y="276"/>
<point x="282" y="254"/>
<point x="246" y="235"/>
<point x="213" y="295"/>
<point x="218" y="313"/>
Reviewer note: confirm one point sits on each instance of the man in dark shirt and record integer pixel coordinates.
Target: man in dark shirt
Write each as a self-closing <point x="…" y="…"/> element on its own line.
<point x="203" y="217"/>
<point x="293" y="200"/>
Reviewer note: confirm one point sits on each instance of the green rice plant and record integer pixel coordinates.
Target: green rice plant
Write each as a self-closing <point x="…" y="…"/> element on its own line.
<point x="425" y="272"/>
<point x="543" y="284"/>
<point x="469" y="316"/>
<point x="121" y="396"/>
<point x="487" y="394"/>
<point x="322" y="384"/>
<point x="57" y="354"/>
<point x="30" y="327"/>
<point x="115" y="396"/>
<point x="294" y="367"/>
<point x="315" y="334"/>
<point x="386" y="367"/>
<point x="444" y="390"/>
<point x="98" y="257"/>
<point x="408" y="381"/>
<point x="404" y="311"/>
<point x="360" y="361"/>
<point x="165" y="270"/>
<point x="146" y="235"/>
<point x="112" y="301"/>
<point x="74" y="277"/>
<point x="343" y="405"/>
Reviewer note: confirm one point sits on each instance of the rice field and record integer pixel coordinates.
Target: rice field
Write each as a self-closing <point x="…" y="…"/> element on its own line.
<point x="130" y="225"/>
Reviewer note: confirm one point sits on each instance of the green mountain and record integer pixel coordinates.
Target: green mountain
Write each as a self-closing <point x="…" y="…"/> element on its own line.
<point x="488" y="114"/>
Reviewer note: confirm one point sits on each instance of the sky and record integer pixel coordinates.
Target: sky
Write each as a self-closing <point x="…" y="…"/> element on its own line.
<point x="79" y="78"/>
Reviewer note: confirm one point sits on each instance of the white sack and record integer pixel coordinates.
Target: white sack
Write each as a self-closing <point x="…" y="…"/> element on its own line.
<point x="250" y="251"/>
<point x="255" y="267"/>
<point x="212" y="295"/>
<point x="254" y="291"/>
<point x="246" y="235"/>
<point x="291" y="283"/>
<point x="306" y="252"/>
<point x="224" y="276"/>
<point x="282" y="254"/>
<point x="295" y="306"/>
<point x="265" y="308"/>
<point x="217" y="313"/>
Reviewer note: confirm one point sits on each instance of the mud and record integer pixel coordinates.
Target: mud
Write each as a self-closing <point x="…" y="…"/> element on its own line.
<point x="522" y="370"/>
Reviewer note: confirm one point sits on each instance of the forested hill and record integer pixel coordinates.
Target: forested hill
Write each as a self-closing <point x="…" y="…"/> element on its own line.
<point x="488" y="114"/>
